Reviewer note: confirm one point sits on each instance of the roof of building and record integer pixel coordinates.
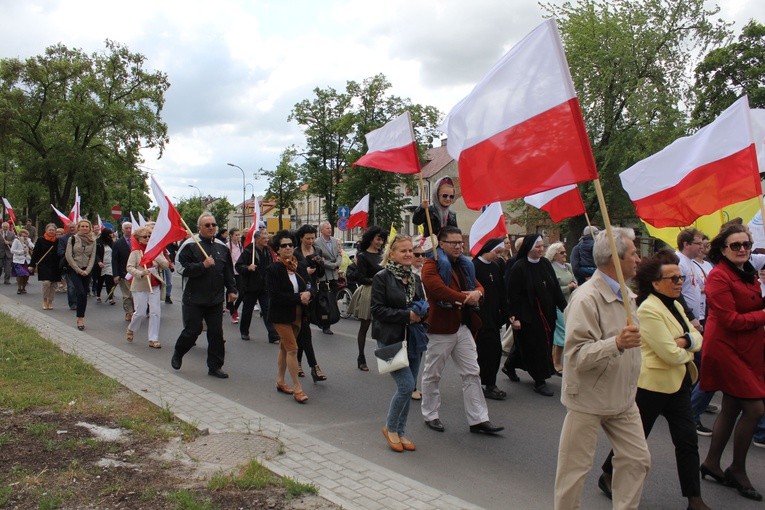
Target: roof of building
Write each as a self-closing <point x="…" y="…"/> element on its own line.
<point x="437" y="159"/>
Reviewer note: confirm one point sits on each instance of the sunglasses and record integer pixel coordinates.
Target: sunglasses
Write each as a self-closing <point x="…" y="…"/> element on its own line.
<point x="737" y="246"/>
<point x="285" y="245"/>
<point x="418" y="255"/>
<point x="208" y="225"/>
<point x="675" y="278"/>
<point x="446" y="196"/>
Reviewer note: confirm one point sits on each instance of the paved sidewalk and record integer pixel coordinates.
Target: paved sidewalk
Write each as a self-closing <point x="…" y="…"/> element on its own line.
<point x="342" y="478"/>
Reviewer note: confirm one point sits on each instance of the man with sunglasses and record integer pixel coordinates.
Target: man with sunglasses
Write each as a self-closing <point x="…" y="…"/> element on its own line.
<point x="208" y="280"/>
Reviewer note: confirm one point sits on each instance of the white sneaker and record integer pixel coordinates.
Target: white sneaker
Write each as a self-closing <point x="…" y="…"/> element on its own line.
<point x="759" y="444"/>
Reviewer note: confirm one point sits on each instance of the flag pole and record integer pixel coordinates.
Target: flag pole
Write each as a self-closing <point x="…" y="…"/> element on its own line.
<point x="586" y="217"/>
<point x="427" y="218"/>
<point x="614" y="253"/>
<point x="148" y="278"/>
<point x="194" y="238"/>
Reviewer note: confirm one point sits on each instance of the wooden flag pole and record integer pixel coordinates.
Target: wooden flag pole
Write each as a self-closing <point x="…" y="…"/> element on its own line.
<point x="148" y="277"/>
<point x="586" y="217"/>
<point x="427" y="218"/>
<point x="194" y="238"/>
<point x="614" y="253"/>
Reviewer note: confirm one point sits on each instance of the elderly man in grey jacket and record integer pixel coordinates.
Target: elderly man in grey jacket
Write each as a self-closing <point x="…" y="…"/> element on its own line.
<point x="329" y="249"/>
<point x="602" y="360"/>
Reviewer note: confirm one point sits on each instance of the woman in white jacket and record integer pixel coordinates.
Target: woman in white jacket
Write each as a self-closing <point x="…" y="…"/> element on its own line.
<point x="22" y="255"/>
<point x="146" y="286"/>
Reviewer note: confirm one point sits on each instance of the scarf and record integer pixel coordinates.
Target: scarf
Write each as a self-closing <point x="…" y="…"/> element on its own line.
<point x="748" y="273"/>
<point x="445" y="269"/>
<point x="50" y="238"/>
<point x="290" y="263"/>
<point x="405" y="276"/>
<point x="670" y="304"/>
<point x="88" y="239"/>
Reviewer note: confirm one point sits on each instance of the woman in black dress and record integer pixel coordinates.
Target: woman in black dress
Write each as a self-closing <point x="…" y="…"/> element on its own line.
<point x="45" y="262"/>
<point x="307" y="256"/>
<point x="533" y="294"/>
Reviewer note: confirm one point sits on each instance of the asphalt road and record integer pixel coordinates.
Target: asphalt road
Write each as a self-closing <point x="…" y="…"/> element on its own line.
<point x="514" y="470"/>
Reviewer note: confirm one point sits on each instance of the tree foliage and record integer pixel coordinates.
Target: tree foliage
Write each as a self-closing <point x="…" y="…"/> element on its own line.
<point x="220" y="210"/>
<point x="629" y="61"/>
<point x="729" y="72"/>
<point x="335" y="127"/>
<point x="190" y="210"/>
<point x="284" y="182"/>
<point x="69" y="119"/>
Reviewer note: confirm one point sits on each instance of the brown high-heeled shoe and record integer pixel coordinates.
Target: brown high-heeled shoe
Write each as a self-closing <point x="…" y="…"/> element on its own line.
<point x="283" y="388"/>
<point x="317" y="374"/>
<point x="300" y="397"/>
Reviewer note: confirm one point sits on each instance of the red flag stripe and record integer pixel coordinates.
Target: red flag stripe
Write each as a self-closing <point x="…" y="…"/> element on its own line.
<point x="403" y="160"/>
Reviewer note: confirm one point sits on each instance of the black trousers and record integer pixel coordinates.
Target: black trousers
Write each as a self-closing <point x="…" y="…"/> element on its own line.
<point x="488" y="343"/>
<point x="676" y="408"/>
<point x="193" y="315"/>
<point x="248" y="306"/>
<point x="305" y="344"/>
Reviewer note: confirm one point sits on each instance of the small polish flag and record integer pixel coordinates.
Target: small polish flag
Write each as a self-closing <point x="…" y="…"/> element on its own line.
<point x="167" y="229"/>
<point x="74" y="214"/>
<point x="100" y="222"/>
<point x="141" y="221"/>
<point x="65" y="220"/>
<point x="490" y="224"/>
<point x="520" y="131"/>
<point x="135" y="224"/>
<point x="11" y="214"/>
<point x="255" y="222"/>
<point x="359" y="213"/>
<point x="559" y="203"/>
<point x="392" y="147"/>
<point x="698" y="174"/>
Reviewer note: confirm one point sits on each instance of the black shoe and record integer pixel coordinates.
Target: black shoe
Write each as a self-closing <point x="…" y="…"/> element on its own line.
<point x="604" y="484"/>
<point x="486" y="428"/>
<point x="494" y="393"/>
<point x="542" y="389"/>
<point x="217" y="372"/>
<point x="245" y="337"/>
<point x="747" y="492"/>
<point x="702" y="430"/>
<point x="510" y="372"/>
<point x="273" y="340"/>
<point x="327" y="331"/>
<point x="176" y="361"/>
<point x="168" y="301"/>
<point x="435" y="425"/>
<point x="706" y="472"/>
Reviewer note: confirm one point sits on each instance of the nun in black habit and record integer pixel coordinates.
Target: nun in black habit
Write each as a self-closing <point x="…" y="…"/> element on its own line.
<point x="533" y="294"/>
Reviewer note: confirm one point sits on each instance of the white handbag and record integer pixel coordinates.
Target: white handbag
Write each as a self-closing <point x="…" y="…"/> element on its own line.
<point x="392" y="357"/>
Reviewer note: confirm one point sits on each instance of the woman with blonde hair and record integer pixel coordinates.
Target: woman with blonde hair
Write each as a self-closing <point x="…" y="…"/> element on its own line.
<point x="80" y="256"/>
<point x="556" y="254"/>
<point x="146" y="287"/>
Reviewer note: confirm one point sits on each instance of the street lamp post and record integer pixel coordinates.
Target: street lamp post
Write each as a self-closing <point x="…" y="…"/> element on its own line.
<point x="200" y="195"/>
<point x="244" y="191"/>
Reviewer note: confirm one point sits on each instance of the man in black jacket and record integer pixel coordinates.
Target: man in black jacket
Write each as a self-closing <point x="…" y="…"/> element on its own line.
<point x="208" y="278"/>
<point x="120" y="254"/>
<point x="252" y="275"/>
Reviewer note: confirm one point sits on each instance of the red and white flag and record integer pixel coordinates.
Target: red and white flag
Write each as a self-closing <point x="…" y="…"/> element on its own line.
<point x="698" y="174"/>
<point x="392" y="147"/>
<point x="133" y="222"/>
<point x="100" y="222"/>
<point x="141" y="221"/>
<point x="255" y="222"/>
<point x="74" y="214"/>
<point x="65" y="220"/>
<point x="520" y="131"/>
<point x="490" y="224"/>
<point x="359" y="213"/>
<point x="559" y="203"/>
<point x="11" y="214"/>
<point x="168" y="227"/>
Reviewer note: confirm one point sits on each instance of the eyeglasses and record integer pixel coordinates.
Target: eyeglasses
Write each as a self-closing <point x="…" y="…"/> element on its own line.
<point x="561" y="253"/>
<point x="143" y="237"/>
<point x="447" y="196"/>
<point x="208" y="225"/>
<point x="418" y="255"/>
<point x="285" y="245"/>
<point x="737" y="246"/>
<point x="455" y="243"/>
<point x="675" y="279"/>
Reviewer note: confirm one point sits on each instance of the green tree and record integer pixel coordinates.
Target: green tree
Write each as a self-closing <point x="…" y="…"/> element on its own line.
<point x="629" y="63"/>
<point x="284" y="182"/>
<point x="220" y="210"/>
<point x="729" y="72"/>
<point x="190" y="209"/>
<point x="69" y="119"/>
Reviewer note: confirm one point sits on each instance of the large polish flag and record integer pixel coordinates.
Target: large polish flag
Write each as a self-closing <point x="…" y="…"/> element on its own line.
<point x="65" y="220"/>
<point x="490" y="224"/>
<point x="168" y="227"/>
<point x="559" y="203"/>
<point x="520" y="131"/>
<point x="360" y="213"/>
<point x="392" y="147"/>
<point x="698" y="174"/>
<point x="255" y="222"/>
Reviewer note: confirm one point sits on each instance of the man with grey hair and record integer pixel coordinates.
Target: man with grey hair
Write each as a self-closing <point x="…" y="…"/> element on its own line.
<point x="206" y="277"/>
<point x="328" y="248"/>
<point x="602" y="360"/>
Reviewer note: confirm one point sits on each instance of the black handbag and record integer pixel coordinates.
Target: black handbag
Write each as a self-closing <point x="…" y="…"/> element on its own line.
<point x="323" y="309"/>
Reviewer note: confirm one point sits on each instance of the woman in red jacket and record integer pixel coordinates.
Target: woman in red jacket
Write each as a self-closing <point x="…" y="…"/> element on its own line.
<point x="734" y="355"/>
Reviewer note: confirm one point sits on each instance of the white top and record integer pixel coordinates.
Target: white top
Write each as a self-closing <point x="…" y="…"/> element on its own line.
<point x="293" y="279"/>
<point x="22" y="253"/>
<point x="692" y="285"/>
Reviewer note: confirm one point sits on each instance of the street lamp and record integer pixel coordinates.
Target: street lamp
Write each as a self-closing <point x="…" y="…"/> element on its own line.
<point x="200" y="194"/>
<point x="244" y="190"/>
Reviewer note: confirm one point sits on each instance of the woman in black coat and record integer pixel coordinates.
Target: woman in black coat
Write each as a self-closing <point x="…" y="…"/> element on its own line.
<point x="45" y="262"/>
<point x="394" y="289"/>
<point x="289" y="290"/>
<point x="533" y="294"/>
<point x="309" y="257"/>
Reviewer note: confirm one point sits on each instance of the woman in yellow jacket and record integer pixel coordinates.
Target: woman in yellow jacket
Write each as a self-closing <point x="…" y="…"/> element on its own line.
<point x="667" y="371"/>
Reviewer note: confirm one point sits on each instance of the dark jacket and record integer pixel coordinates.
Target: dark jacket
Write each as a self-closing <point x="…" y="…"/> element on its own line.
<point x="120" y="253"/>
<point x="582" y="261"/>
<point x="48" y="269"/>
<point x="418" y="218"/>
<point x="205" y="286"/>
<point x="253" y="282"/>
<point x="367" y="265"/>
<point x="282" y="294"/>
<point x="390" y="315"/>
<point x="314" y="261"/>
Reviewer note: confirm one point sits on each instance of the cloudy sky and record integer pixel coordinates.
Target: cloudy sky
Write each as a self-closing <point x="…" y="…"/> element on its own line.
<point x="237" y="67"/>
